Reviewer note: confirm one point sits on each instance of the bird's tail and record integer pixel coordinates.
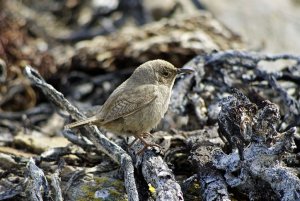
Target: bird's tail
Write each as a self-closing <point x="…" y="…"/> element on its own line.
<point x="81" y="122"/>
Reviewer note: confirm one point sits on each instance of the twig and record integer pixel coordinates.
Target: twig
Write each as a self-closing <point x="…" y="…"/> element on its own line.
<point x="72" y="179"/>
<point x="246" y="59"/>
<point x="290" y="101"/>
<point x="212" y="184"/>
<point x="78" y="140"/>
<point x="55" y="182"/>
<point x="157" y="173"/>
<point x="37" y="182"/>
<point x="12" y="192"/>
<point x="94" y="135"/>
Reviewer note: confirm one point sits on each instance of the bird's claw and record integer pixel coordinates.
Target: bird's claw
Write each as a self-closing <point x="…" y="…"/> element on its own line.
<point x="145" y="143"/>
<point x="146" y="146"/>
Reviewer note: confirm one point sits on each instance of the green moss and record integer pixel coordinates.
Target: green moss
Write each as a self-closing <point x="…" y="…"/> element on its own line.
<point x="89" y="193"/>
<point x="193" y="193"/>
<point x="114" y="189"/>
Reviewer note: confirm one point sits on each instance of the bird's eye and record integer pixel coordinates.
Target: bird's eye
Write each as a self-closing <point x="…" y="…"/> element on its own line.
<point x="165" y="73"/>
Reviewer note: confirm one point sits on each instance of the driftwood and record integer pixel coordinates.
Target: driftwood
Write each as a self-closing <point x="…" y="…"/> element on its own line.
<point x="55" y="183"/>
<point x="37" y="183"/>
<point x="177" y="40"/>
<point x="154" y="170"/>
<point x="157" y="173"/>
<point x="9" y="162"/>
<point x="250" y="129"/>
<point x="241" y="145"/>
<point x="98" y="139"/>
<point x="252" y="126"/>
<point x="202" y="146"/>
<point x="218" y="72"/>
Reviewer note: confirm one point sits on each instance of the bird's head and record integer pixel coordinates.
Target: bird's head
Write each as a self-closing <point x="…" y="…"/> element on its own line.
<point x="158" y="72"/>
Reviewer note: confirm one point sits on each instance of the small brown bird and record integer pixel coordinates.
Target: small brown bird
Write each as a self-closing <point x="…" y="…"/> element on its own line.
<point x="139" y="103"/>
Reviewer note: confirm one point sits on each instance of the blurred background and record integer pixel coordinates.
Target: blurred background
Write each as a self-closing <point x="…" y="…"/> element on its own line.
<point x="271" y="26"/>
<point x="56" y="36"/>
<point x="85" y="49"/>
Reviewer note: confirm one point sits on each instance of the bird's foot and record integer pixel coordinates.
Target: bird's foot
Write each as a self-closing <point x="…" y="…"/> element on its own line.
<point x="142" y="136"/>
<point x="146" y="145"/>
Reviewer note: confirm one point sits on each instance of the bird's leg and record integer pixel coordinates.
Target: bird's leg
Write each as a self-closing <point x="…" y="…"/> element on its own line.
<point x="147" y="134"/>
<point x="136" y="138"/>
<point x="146" y="144"/>
<point x="130" y="145"/>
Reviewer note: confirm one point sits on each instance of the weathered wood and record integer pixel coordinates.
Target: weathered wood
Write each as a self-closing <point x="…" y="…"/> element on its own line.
<point x="203" y="146"/>
<point x="94" y="135"/>
<point x="157" y="173"/>
<point x="37" y="182"/>
<point x="257" y="162"/>
<point x="56" y="182"/>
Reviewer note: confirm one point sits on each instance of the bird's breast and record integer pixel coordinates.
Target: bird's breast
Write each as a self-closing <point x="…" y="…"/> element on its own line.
<point x="148" y="117"/>
<point x="163" y="99"/>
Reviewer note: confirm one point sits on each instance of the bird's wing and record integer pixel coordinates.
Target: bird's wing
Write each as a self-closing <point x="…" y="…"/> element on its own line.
<point x="127" y="102"/>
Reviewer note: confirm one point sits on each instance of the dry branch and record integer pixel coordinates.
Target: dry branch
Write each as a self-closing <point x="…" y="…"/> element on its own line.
<point x="253" y="125"/>
<point x="94" y="135"/>
<point x="212" y="184"/>
<point x="37" y="182"/>
<point x="161" y="177"/>
<point x="257" y="165"/>
<point x="56" y="181"/>
<point x="157" y="173"/>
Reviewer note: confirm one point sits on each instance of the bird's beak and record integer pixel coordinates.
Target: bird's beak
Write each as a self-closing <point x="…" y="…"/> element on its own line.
<point x="185" y="70"/>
